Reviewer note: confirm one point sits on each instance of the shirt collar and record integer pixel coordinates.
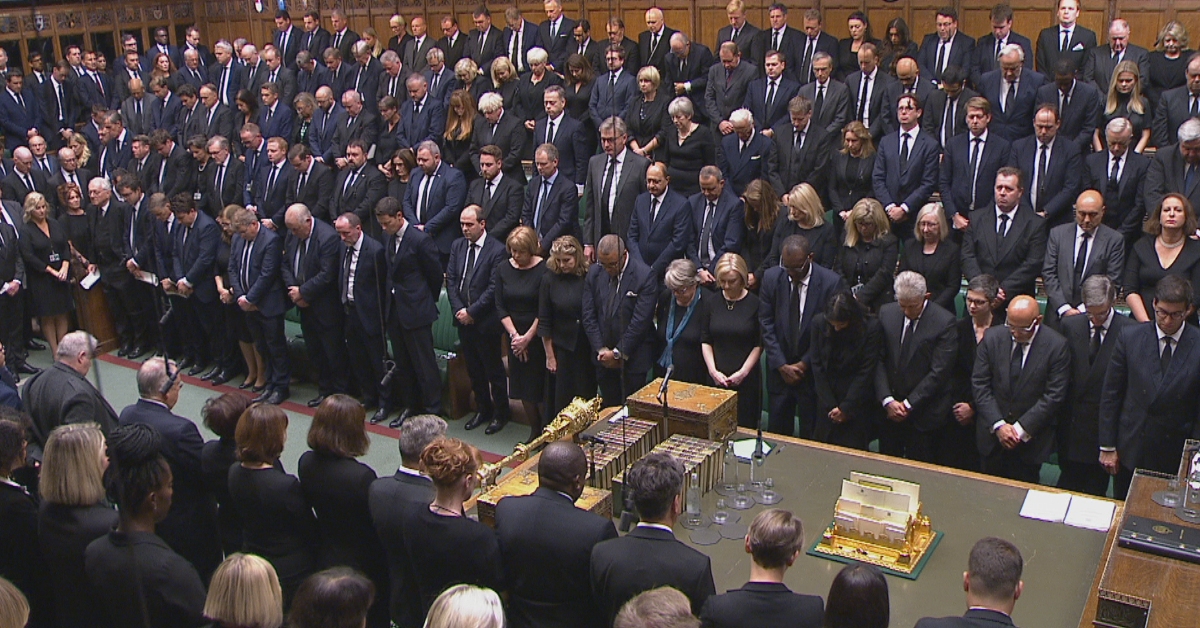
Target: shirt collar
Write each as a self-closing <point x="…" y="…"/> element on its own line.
<point x="1107" y="321"/>
<point x="155" y="401"/>
<point x="403" y="469"/>
<point x="1175" y="336"/>
<point x="481" y="240"/>
<point x="982" y="136"/>
<point x="656" y="526"/>
<point x="621" y="156"/>
<point x="496" y="180"/>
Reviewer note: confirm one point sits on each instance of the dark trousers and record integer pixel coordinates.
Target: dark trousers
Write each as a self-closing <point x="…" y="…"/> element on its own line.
<point x="1083" y="477"/>
<point x="1007" y="464"/>
<point x="326" y="346"/>
<point x="115" y="283"/>
<point x="787" y="401"/>
<point x="481" y="352"/>
<point x="196" y="328"/>
<point x="904" y="440"/>
<point x="141" y="309"/>
<point x="12" y="327"/>
<point x="576" y="377"/>
<point x="612" y="390"/>
<point x="367" y="366"/>
<point x="271" y="341"/>
<point x="233" y="331"/>
<point x="175" y="332"/>
<point x="417" y="372"/>
<point x="958" y="448"/>
<point x="1121" y="483"/>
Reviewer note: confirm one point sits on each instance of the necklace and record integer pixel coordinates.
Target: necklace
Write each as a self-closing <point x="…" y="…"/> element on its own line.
<point x="1171" y="245"/>
<point x="453" y="513"/>
<point x="732" y="303"/>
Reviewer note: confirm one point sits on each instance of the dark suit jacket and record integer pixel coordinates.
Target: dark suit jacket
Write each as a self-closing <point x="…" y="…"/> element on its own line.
<point x="559" y="47"/>
<point x="973" y="618"/>
<point x="756" y="101"/>
<point x="1123" y="206"/>
<point x="962" y="52"/>
<point x="312" y="81"/>
<point x="1174" y="108"/>
<point x="184" y="76"/>
<point x="1081" y="116"/>
<point x="320" y="137"/>
<point x="1079" y="436"/>
<point x="699" y="60"/>
<point x="921" y="375"/>
<point x="777" y="336"/>
<point x="956" y="174"/>
<point x="265" y="289"/>
<point x="1049" y="40"/>
<point x="480" y="286"/>
<point x="233" y="187"/>
<point x="835" y="109"/>
<point x="365" y="127"/>
<point x="1016" y="120"/>
<point x="317" y="194"/>
<point x="361" y="197"/>
<point x="196" y="259"/>
<point x="935" y="112"/>
<point x="621" y="320"/>
<point x="645" y="559"/>
<point x="759" y="604"/>
<point x="238" y="79"/>
<point x="369" y="290"/>
<point x="1063" y="177"/>
<point x="1145" y="413"/>
<point x="12" y="265"/>
<point x="50" y="110"/>
<point x="503" y="210"/>
<point x="741" y="166"/>
<point x="878" y="111"/>
<point x="1166" y="174"/>
<point x="529" y="40"/>
<point x="728" y="227"/>
<point x="315" y="43"/>
<point x="281" y="122"/>
<point x="509" y="135"/>
<point x="346" y="45"/>
<point x="911" y="186"/>
<point x="445" y="202"/>
<point x="791" y="43"/>
<point x="923" y="87"/>
<point x="271" y="201"/>
<point x="722" y="96"/>
<point x="13" y="188"/>
<point x="413" y="59"/>
<point x="546" y="543"/>
<point x="985" y="60"/>
<point x="59" y="395"/>
<point x="572" y="143"/>
<point x="16" y="120"/>
<point x="319" y="272"/>
<point x="560" y="209"/>
<point x="1016" y="261"/>
<point x="453" y="53"/>
<point x="631" y="183"/>
<point x="485" y="51"/>
<point x="1098" y="64"/>
<point x="414" y="278"/>
<point x="1106" y="256"/>
<point x="365" y="81"/>
<point x="428" y="125"/>
<point x="809" y="164"/>
<point x="608" y="100"/>
<point x="386" y="498"/>
<point x="745" y="36"/>
<point x="665" y="239"/>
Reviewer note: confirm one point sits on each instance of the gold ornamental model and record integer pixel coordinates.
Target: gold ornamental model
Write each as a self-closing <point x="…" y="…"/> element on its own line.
<point x="878" y="520"/>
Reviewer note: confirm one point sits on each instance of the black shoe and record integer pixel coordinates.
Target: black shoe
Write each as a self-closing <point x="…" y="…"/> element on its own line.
<point x="123" y="352"/>
<point x="212" y="373"/>
<point x="258" y="388"/>
<point x="139" y="351"/>
<point x="197" y="369"/>
<point x="279" y="396"/>
<point x="263" y="396"/>
<point x="35" y="345"/>
<point x="27" y="369"/>
<point x="246" y="385"/>
<point x="380" y="416"/>
<point x="182" y="364"/>
<point x="477" y="420"/>
<point x="496" y="425"/>
<point x="315" y="401"/>
<point x="220" y="377"/>
<point x="370" y="403"/>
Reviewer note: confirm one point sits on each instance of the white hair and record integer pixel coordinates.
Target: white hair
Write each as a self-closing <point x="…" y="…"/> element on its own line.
<point x="909" y="285"/>
<point x="490" y="102"/>
<point x="1189" y="131"/>
<point x="740" y="116"/>
<point x="537" y="55"/>
<point x="1013" y="48"/>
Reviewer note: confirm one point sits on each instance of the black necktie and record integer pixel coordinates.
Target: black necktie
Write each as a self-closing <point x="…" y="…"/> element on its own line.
<point x="549" y="131"/>
<point x="1066" y="40"/>
<point x="794" y="317"/>
<point x="771" y="95"/>
<point x="1165" y="361"/>
<point x="487" y="191"/>
<point x="975" y="150"/>
<point x="21" y="100"/>
<point x="220" y="181"/>
<point x="1094" y="349"/>
<point x="862" y="99"/>
<point x="653" y="211"/>
<point x="1002" y="229"/>
<point x="775" y="41"/>
<point x="467" y="271"/>
<point x="1115" y="176"/>
<point x="906" y="338"/>
<point x="948" y="121"/>
<point x="303" y="181"/>
<point x="1080" y="266"/>
<point x="1195" y="106"/>
<point x="271" y="179"/>
<point x="706" y="233"/>
<point x="819" y="103"/>
<point x="1015" y="366"/>
<point x="606" y="190"/>
<point x="1189" y="179"/>
<point x="904" y="152"/>
<point x="941" y="58"/>
<point x="346" y="263"/>
<point x="1043" y="157"/>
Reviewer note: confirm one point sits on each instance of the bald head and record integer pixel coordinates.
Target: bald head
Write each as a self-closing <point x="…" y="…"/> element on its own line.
<point x="563" y="468"/>
<point x="1089" y="210"/>
<point x="906" y="70"/>
<point x="1023" y="311"/>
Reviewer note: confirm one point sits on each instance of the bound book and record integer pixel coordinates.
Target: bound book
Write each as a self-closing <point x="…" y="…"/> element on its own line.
<point x="1161" y="538"/>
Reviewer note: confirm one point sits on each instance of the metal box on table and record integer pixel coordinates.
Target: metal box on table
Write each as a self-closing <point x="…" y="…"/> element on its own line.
<point x="692" y="410"/>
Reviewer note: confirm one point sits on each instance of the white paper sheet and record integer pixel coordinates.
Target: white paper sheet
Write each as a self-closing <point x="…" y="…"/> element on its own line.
<point x="1046" y="506"/>
<point x="87" y="282"/>
<point x="1093" y="514"/>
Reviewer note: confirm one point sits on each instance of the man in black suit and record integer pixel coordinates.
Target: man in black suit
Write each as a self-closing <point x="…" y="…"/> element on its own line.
<point x="780" y="37"/>
<point x="386" y="498"/>
<point x="311" y="184"/>
<point x="687" y="68"/>
<point x="62" y="394"/>
<point x="1079" y="105"/>
<point x="802" y="148"/>
<point x="614" y="181"/>
<point x="1052" y="166"/>
<point x="970" y="163"/>
<point x="141" y="257"/>
<point x="484" y="43"/>
<point x="728" y="84"/>
<point x="1176" y="106"/>
<point x="987" y="49"/>
<point x="287" y="38"/>
<point x="947" y="47"/>
<point x="190" y="527"/>
<point x="340" y="36"/>
<point x="227" y="75"/>
<point x="546" y="545"/>
<point x="434" y="198"/>
<point x="364" y="301"/>
<point x="1174" y="168"/>
<point x="650" y="556"/>
<point x="283" y="76"/>
<point x="833" y="96"/>
<point x="661" y="227"/>
<point x="654" y="42"/>
<point x="718" y="223"/>
<point x="413" y="57"/>
<point x="196" y="240"/>
<point x="519" y="37"/>
<point x="589" y="48"/>
<point x="414" y="278"/>
<point x="453" y="42"/>
<point x="191" y="71"/>
<point x="614" y="90"/>
<point x="359" y="186"/>
<point x="310" y="267"/>
<point x="145" y="163"/>
<point x="815" y="41"/>
<point x="357" y="123"/>
<point x="1006" y="239"/>
<point x="739" y="31"/>
<point x="271" y="186"/>
<point x="551" y="205"/>
<point x="255" y="69"/>
<point x="791" y="295"/>
<point x="913" y="377"/>
<point x="1066" y="39"/>
<point x="440" y="77"/>
<point x="1078" y="250"/>
<point x="422" y="115"/>
<point x="193" y="115"/>
<point x="618" y="311"/>
<point x="616" y="37"/>
<point x="471" y="288"/>
<point x="111" y="244"/>
<point x="1021" y="377"/>
<point x="1091" y="339"/>
<point x="310" y="75"/>
<point x="993" y="585"/>
<point x="60" y="105"/>
<point x="69" y="171"/>
<point x="12" y="299"/>
<point x="1012" y="90"/>
<point x="774" y="541"/>
<point x="503" y="128"/>
<point x="24" y="178"/>
<point x="315" y="38"/>
<point x="566" y="133"/>
<point x="1100" y="61"/>
<point x="867" y="89"/>
<point x="1120" y="175"/>
<point x="906" y="168"/>
<point x="254" y="260"/>
<point x="501" y="197"/>
<point x="909" y="80"/>
<point x="1151" y="396"/>
<point x="745" y="154"/>
<point x="226" y="185"/>
<point x="767" y="97"/>
<point x="117" y="148"/>
<point x="554" y="34"/>
<point x="365" y="77"/>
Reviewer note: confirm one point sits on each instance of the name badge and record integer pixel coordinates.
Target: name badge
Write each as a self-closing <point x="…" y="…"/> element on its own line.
<point x="54" y="258"/>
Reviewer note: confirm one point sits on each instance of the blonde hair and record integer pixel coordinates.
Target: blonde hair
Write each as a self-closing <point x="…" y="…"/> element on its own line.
<point x="523" y="238"/>
<point x="245" y="592"/>
<point x="503" y="62"/>
<point x="869" y="208"/>
<point x="732" y="262"/>
<point x="73" y="465"/>
<point x="1173" y="29"/>
<point x="567" y="245"/>
<point x="651" y="74"/>
<point x="31" y="202"/>
<point x="805" y="199"/>
<point x="83" y="152"/>
<point x="1137" y="102"/>
<point x="939" y="213"/>
<point x="14" y="608"/>
<point x="466" y="606"/>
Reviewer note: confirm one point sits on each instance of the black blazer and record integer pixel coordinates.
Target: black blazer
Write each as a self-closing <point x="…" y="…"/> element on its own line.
<point x="443" y="551"/>
<point x="645" y="559"/>
<point x="1016" y="120"/>
<point x="782" y="344"/>
<point x="956" y="175"/>
<point x="942" y="270"/>
<point x="414" y="278"/>
<point x="985" y="59"/>
<point x="12" y="264"/>
<point x="973" y="618"/>
<point x="370" y="297"/>
<point x="921" y="374"/>
<point x="233" y="187"/>
<point x="878" y="111"/>
<point x="699" y="60"/>
<point x="1016" y="260"/>
<point x="456" y="51"/>
<point x="1050" y="39"/>
<point x="20" y="561"/>
<point x="935" y="113"/>
<point x="319" y="272"/>
<point x="1083" y="114"/>
<point x="265" y="289"/>
<point x="59" y="395"/>
<point x="962" y="51"/>
<point x="1168" y="173"/>
<point x="1078" y="427"/>
<point x="546" y="546"/>
<point x="725" y="233"/>
<point x="64" y="532"/>
<point x="480" y="286"/>
<point x="503" y="210"/>
<point x="385" y="498"/>
<point x="1063" y="177"/>
<point x="760" y="604"/>
<point x="337" y="488"/>
<point x="179" y="174"/>
<point x="1174" y="108"/>
<point x="15" y="189"/>
<point x="569" y="138"/>
<point x="128" y="569"/>
<point x="317" y="194"/>
<point x="621" y="320"/>
<point x="809" y="164"/>
<point x="911" y="186"/>
<point x="1124" y="206"/>
<point x="271" y="200"/>
<point x="560" y="210"/>
<point x="360" y="197"/>
<point x="484" y="51"/>
<point x="656" y="57"/>
<point x="509" y="135"/>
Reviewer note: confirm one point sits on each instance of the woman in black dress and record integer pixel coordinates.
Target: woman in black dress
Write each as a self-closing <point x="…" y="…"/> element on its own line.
<point x="897" y="43"/>
<point x="581" y="78"/>
<point x="470" y="80"/>
<point x="1125" y="100"/>
<point x="1168" y="61"/>
<point x="677" y="329"/>
<point x="247" y="106"/>
<point x="504" y="81"/>
<point x="560" y="316"/>
<point x="20" y="563"/>
<point x="336" y="485"/>
<point x="934" y="257"/>
<point x="237" y="334"/>
<point x="867" y="259"/>
<point x="845" y="353"/>
<point x="1165" y="250"/>
<point x="860" y="33"/>
<point x="732" y="338"/>
<point x="850" y="173"/>
<point x="647" y="112"/>
<point x="981" y="301"/>
<point x="460" y="124"/>
<point x="399" y="171"/>
<point x="762" y="211"/>
<point x="685" y="146"/>
<point x="805" y="216"/>
<point x="443" y="546"/>
<point x="277" y="521"/>
<point x="136" y="577"/>
<point x="221" y="416"/>
<point x="531" y="91"/>
<point x="518" y="284"/>
<point x="80" y="224"/>
<point x="47" y="254"/>
<point x="389" y="128"/>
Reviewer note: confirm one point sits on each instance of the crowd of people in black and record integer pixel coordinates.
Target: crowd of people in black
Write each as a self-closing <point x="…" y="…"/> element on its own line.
<point x="793" y="200"/>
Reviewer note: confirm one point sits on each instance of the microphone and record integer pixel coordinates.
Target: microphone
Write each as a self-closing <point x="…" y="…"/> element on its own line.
<point x="167" y="315"/>
<point x="391" y="372"/>
<point x="662" y="390"/>
<point x="629" y="515"/>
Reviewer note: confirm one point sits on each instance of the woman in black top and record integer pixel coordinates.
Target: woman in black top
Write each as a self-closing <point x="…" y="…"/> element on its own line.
<point x="471" y="81"/>
<point x="518" y="284"/>
<point x="277" y="521"/>
<point x="1165" y="250"/>
<point x="845" y="353"/>
<point x="647" y="112"/>
<point x="867" y="259"/>
<point x="137" y="579"/>
<point x="460" y="124"/>
<point x="1168" y="61"/>
<point x="897" y="43"/>
<point x="389" y="127"/>
<point x="79" y="222"/>
<point x="860" y="33"/>
<point x="504" y="81"/>
<point x="247" y="113"/>
<point x="960" y="448"/>
<point x="442" y="545"/>
<point x="531" y="91"/>
<point x="399" y="171"/>
<point x="336" y="485"/>
<point x="685" y="145"/>
<point x="560" y="316"/>
<point x="805" y="216"/>
<point x="221" y="415"/>
<point x="850" y="173"/>
<point x="677" y="329"/>
<point x="20" y="562"/>
<point x="1125" y="100"/>
<point x="47" y="254"/>
<point x="934" y="257"/>
<point x="73" y="513"/>
<point x="732" y="338"/>
<point x="762" y="211"/>
<point x="236" y="333"/>
<point x="580" y="79"/>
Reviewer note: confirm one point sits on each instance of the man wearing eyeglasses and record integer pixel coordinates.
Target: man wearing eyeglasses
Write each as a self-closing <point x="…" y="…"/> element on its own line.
<point x="1151" y="396"/>
<point x="1021" y="376"/>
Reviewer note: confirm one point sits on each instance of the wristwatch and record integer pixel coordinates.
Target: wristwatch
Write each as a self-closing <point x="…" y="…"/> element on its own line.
<point x="616" y="353"/>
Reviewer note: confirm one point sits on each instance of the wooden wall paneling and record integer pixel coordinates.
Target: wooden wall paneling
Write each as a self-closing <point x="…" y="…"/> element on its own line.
<point x="1097" y="20"/>
<point x="712" y="20"/>
<point x="880" y="13"/>
<point x="1029" y="19"/>
<point x="1144" y="23"/>
<point x="975" y="21"/>
<point x="835" y="19"/>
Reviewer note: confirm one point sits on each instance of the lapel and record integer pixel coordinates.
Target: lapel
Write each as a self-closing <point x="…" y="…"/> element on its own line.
<point x="1004" y="247"/>
<point x="1179" y="358"/>
<point x="1125" y="174"/>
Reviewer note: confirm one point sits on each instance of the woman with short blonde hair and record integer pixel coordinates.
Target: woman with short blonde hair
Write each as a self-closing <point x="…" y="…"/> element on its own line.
<point x="560" y="316"/>
<point x="466" y="606"/>
<point x="806" y="217"/>
<point x="518" y="287"/>
<point x="14" y="608"/>
<point x="244" y="591"/>
<point x="47" y="254"/>
<point x="867" y="260"/>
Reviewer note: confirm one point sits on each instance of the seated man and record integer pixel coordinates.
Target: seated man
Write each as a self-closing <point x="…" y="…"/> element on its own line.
<point x="775" y="540"/>
<point x="993" y="585"/>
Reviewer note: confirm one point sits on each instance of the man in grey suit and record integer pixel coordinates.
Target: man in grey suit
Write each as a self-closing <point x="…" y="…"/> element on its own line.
<point x="1177" y="105"/>
<point x="727" y="85"/>
<point x="1120" y="174"/>
<point x="830" y="97"/>
<point x="1020" y="379"/>
<point x="1176" y="168"/>
<point x="1099" y="63"/>
<point x="1151" y="395"/>
<point x="138" y="109"/>
<point x="416" y="48"/>
<point x="1078" y="250"/>
<point x="615" y="178"/>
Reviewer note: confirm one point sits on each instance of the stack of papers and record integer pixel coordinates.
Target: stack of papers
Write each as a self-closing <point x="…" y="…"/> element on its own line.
<point x="1074" y="510"/>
